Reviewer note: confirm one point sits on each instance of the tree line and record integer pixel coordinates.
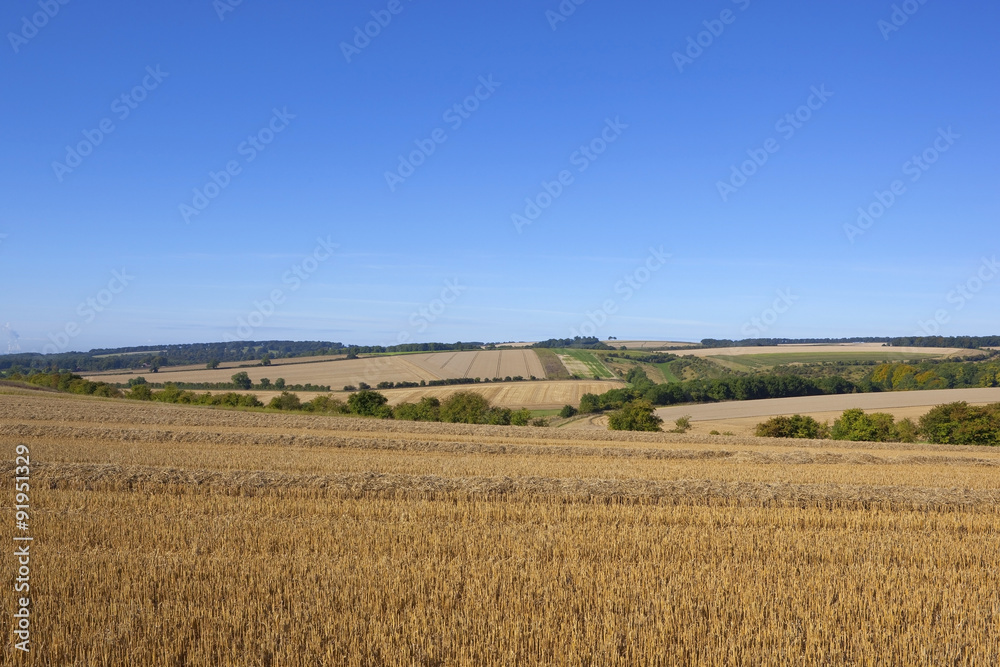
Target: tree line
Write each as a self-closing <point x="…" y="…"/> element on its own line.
<point x="464" y="407"/>
<point x="583" y="342"/>
<point x="155" y="356"/>
<point x="970" y="342"/>
<point x="953" y="424"/>
<point x="461" y="407"/>
<point x="885" y="377"/>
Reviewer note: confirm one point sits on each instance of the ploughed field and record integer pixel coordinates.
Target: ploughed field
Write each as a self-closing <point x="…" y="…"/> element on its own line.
<point x="168" y="534"/>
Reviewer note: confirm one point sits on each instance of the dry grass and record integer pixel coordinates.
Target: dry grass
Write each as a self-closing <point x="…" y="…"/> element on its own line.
<point x="169" y="535"/>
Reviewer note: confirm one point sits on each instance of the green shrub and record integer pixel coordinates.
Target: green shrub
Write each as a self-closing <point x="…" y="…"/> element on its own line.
<point x="326" y="405"/>
<point x="907" y="430"/>
<point x="429" y="409"/>
<point x="795" y="426"/>
<point x="682" y="424"/>
<point x="368" y="404"/>
<point x="590" y="403"/>
<point x="140" y="392"/>
<point x="858" y="425"/>
<point x="567" y="412"/>
<point x="962" y="424"/>
<point x="242" y="380"/>
<point x="635" y="416"/>
<point x="286" y="401"/>
<point x="406" y="412"/>
<point x="465" y="407"/>
<point x="169" y="394"/>
<point x="499" y="416"/>
<point x="521" y="417"/>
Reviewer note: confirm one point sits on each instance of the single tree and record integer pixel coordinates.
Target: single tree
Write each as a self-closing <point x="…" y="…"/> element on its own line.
<point x="368" y="404"/>
<point x="241" y="380"/>
<point x="286" y="401"/>
<point x="634" y="416"/>
<point x="567" y="411"/>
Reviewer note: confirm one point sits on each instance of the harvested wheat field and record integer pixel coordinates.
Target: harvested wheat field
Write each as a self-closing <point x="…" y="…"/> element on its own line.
<point x="232" y="366"/>
<point x="338" y="372"/>
<point x="173" y="535"/>
<point x="538" y="395"/>
<point x="901" y="403"/>
<point x="546" y="395"/>
<point x="482" y="364"/>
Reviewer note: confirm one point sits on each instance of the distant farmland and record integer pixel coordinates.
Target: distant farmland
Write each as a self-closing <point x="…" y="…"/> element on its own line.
<point x="843" y="352"/>
<point x="757" y="361"/>
<point x="742" y="416"/>
<point x="339" y="372"/>
<point x="583" y="363"/>
<point x="533" y="395"/>
<point x="647" y="344"/>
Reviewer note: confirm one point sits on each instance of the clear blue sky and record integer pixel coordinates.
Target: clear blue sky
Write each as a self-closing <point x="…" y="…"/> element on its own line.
<point x="338" y="118"/>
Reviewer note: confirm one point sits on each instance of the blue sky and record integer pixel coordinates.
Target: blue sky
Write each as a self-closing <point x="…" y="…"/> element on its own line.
<point x="619" y="100"/>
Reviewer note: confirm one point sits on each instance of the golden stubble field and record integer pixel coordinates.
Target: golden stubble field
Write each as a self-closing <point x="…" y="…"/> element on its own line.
<point x="337" y="371"/>
<point x="543" y="395"/>
<point x="540" y="395"/>
<point x="171" y="535"/>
